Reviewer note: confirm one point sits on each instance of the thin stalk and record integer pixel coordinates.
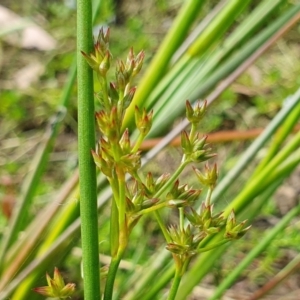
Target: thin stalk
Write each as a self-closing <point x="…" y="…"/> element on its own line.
<point x="112" y="272"/>
<point x="175" y="284"/>
<point x="86" y="142"/>
<point x="181" y="218"/>
<point x="162" y="226"/>
<point x="114" y="229"/>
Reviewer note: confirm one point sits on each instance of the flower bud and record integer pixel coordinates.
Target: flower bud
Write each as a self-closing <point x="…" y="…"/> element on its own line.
<point x="56" y="287"/>
<point x="233" y="230"/>
<point x="195" y="115"/>
<point x="209" y="178"/>
<point x="105" y="64"/>
<point x="125" y="142"/>
<point x="143" y="120"/>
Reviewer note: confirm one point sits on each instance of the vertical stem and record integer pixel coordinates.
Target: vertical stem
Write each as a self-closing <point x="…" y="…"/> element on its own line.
<point x="112" y="272"/>
<point x="86" y="141"/>
<point x="175" y="285"/>
<point x="180" y="270"/>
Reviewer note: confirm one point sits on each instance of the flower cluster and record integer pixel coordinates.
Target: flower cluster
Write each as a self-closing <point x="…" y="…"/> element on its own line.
<point x="116" y="157"/>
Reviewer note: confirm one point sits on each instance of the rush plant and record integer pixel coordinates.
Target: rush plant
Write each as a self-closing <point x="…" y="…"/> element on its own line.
<point x="37" y="237"/>
<point x="134" y="195"/>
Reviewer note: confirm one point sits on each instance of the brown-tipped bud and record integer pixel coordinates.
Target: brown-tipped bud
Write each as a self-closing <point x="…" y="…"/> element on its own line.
<point x="104" y="166"/>
<point x="105" y="64"/>
<point x="105" y="35"/>
<point x="234" y="230"/>
<point x="130" y="207"/>
<point x="150" y="182"/>
<point x="149" y="203"/>
<point x="189" y="110"/>
<point x="138" y="198"/>
<point x="125" y="142"/>
<point x="210" y="176"/>
<point x="177" y="203"/>
<point x="186" y="143"/>
<point x="56" y="287"/>
<point x="160" y="181"/>
<point x="128" y="97"/>
<point x="99" y="59"/>
<point x="129" y="68"/>
<point x="130" y="57"/>
<point x="202" y="155"/>
<point x="182" y="241"/>
<point x="91" y="60"/>
<point x="97" y="159"/>
<point x="138" y="63"/>
<point x="131" y="162"/>
<point x="143" y="121"/>
<point x="121" y="80"/>
<point x="113" y="93"/>
<point x="200" y="142"/>
<point x="102" y="120"/>
<point x="195" y="115"/>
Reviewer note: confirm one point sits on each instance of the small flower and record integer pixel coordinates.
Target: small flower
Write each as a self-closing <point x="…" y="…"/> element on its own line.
<point x="206" y="222"/>
<point x="153" y="186"/>
<point x="210" y="176"/>
<point x="182" y="241"/>
<point x="183" y="192"/>
<point x="100" y="58"/>
<point x="56" y="287"/>
<point x="196" y="150"/>
<point x="143" y="120"/>
<point x="195" y="115"/>
<point x="233" y="230"/>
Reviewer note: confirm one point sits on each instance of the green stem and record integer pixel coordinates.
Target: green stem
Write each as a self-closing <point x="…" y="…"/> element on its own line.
<point x="162" y="226"/>
<point x="180" y="270"/>
<point x="123" y="232"/>
<point x="218" y="244"/>
<point x="181" y="218"/>
<point x="86" y="142"/>
<point x="208" y="196"/>
<point x="114" y="229"/>
<point x="138" y="143"/>
<point x="112" y="272"/>
<point x="104" y="90"/>
<point x="175" y="284"/>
